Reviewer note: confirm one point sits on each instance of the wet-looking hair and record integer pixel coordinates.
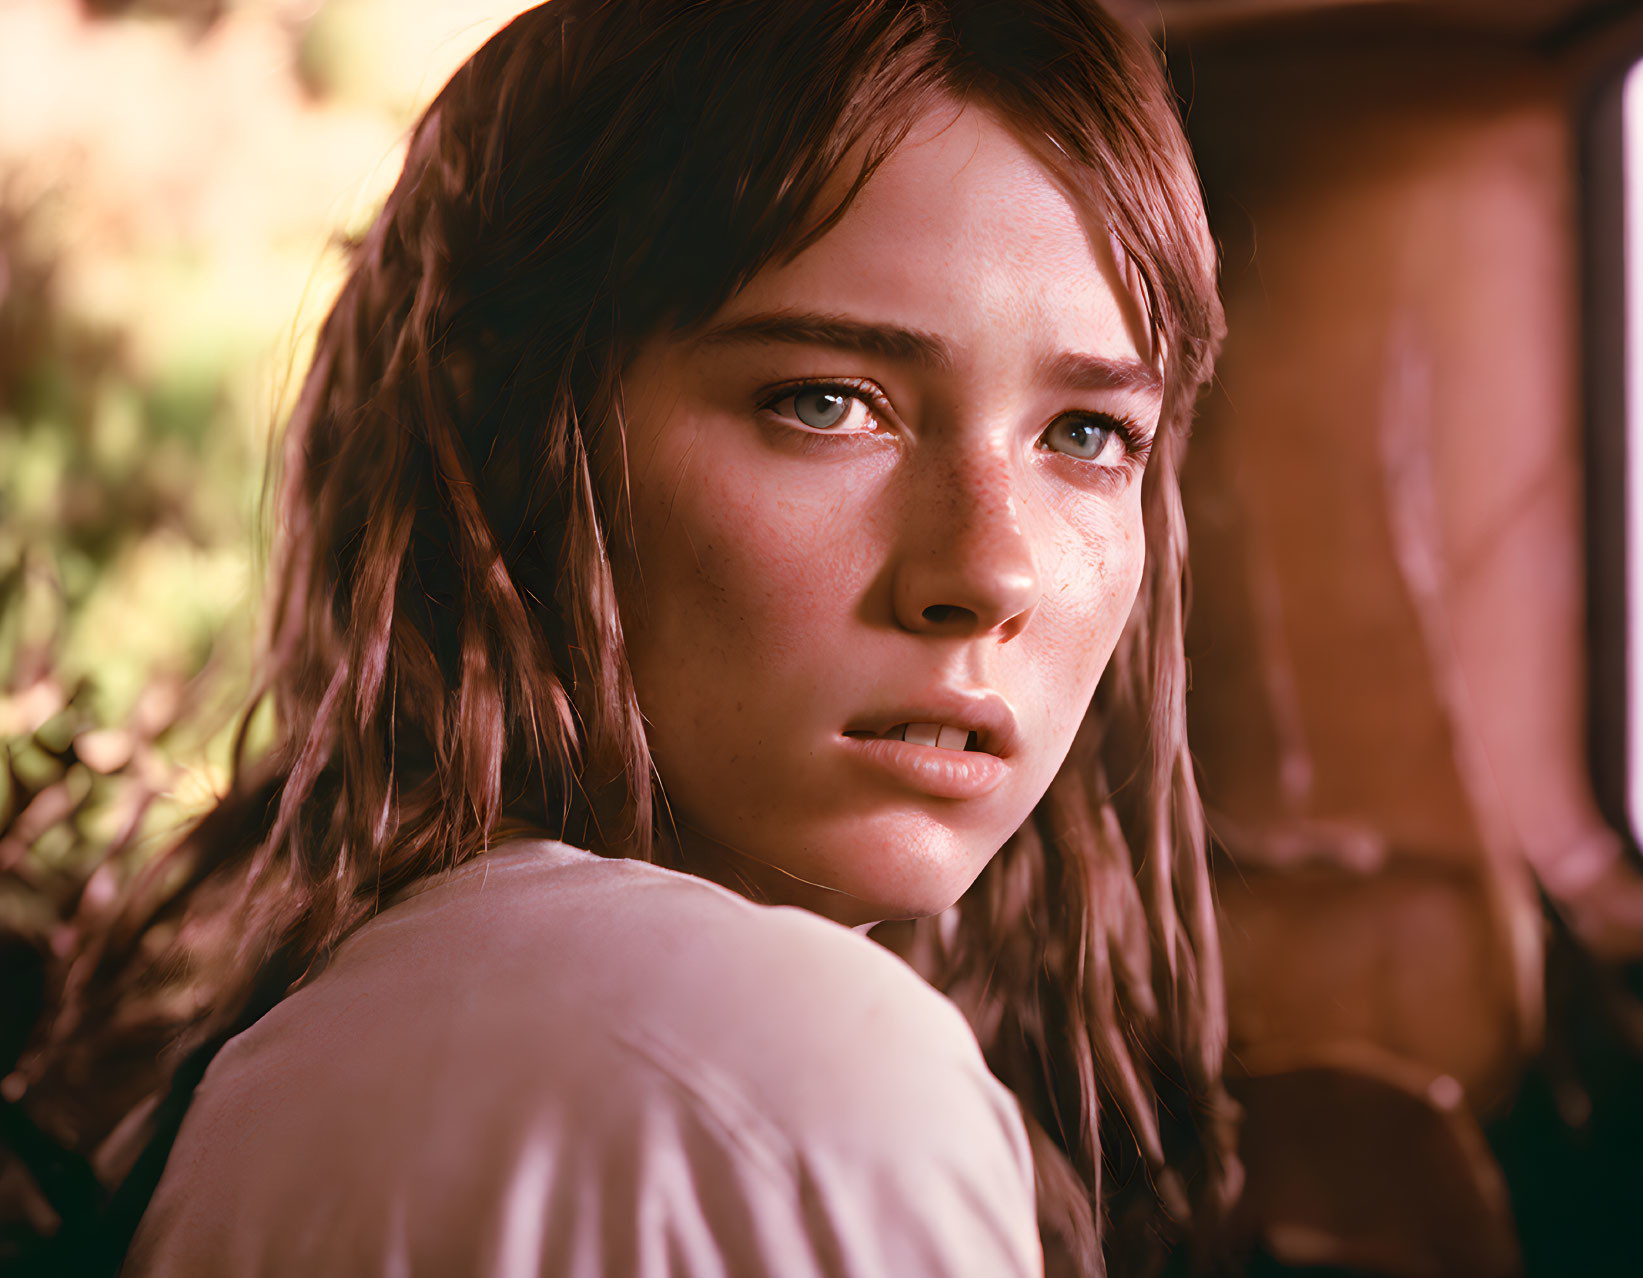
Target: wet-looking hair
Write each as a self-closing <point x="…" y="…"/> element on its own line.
<point x="445" y="658"/>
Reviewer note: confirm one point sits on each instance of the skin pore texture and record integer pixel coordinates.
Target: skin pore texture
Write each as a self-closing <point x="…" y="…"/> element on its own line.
<point x="900" y="468"/>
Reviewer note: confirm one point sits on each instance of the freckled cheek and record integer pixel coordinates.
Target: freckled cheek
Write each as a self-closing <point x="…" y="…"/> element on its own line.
<point x="1100" y="574"/>
<point x="1128" y="560"/>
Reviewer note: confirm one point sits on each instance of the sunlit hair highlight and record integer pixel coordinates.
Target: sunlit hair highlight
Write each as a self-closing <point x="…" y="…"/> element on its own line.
<point x="445" y="656"/>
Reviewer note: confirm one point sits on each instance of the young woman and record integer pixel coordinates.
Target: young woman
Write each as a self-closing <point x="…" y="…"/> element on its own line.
<point x="740" y="473"/>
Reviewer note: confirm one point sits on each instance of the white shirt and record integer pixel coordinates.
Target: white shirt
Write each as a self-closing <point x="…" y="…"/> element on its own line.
<point x="550" y="1063"/>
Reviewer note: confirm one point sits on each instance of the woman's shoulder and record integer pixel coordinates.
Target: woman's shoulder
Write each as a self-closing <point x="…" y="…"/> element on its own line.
<point x="791" y="1008"/>
<point x="539" y="921"/>
<point x="540" y="940"/>
<point x="554" y="1027"/>
<point x="584" y="964"/>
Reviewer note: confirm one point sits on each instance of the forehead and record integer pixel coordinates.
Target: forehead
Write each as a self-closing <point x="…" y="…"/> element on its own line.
<point x="963" y="232"/>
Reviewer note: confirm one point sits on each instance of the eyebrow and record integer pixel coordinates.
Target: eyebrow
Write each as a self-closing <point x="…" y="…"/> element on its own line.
<point x="1097" y="373"/>
<point x="910" y="345"/>
<point x="907" y="345"/>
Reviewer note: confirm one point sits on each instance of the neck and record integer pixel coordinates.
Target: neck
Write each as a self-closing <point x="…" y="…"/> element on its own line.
<point x="689" y="850"/>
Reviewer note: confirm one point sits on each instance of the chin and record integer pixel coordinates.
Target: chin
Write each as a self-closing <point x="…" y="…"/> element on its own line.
<point x="928" y="876"/>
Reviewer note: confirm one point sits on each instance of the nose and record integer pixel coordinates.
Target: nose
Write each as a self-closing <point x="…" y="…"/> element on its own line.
<point x="965" y="564"/>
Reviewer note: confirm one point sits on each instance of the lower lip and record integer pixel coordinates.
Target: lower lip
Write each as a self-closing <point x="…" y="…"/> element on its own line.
<point x="945" y="774"/>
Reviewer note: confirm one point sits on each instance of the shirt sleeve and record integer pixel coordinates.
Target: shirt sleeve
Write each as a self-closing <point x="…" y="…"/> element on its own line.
<point x="811" y="1110"/>
<point x="931" y="1179"/>
<point x="697" y="1088"/>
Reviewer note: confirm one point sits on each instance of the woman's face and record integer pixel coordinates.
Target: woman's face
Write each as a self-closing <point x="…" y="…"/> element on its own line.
<point x="896" y="480"/>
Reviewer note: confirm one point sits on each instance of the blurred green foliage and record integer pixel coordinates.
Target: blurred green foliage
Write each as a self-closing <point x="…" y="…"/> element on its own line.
<point x="174" y="179"/>
<point x="126" y="509"/>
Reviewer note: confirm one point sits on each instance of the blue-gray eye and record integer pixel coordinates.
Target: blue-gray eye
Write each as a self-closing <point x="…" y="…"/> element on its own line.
<point x="1082" y="437"/>
<point x="820" y="408"/>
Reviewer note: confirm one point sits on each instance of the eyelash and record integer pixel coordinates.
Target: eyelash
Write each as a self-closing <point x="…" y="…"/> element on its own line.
<point x="1137" y="446"/>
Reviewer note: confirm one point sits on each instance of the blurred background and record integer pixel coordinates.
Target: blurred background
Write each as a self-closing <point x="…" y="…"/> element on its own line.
<point x="1416" y="549"/>
<point x="1410" y="494"/>
<point x="177" y="182"/>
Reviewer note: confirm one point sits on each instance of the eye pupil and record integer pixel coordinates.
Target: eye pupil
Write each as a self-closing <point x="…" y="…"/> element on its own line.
<point x="820" y="408"/>
<point x="1084" y="437"/>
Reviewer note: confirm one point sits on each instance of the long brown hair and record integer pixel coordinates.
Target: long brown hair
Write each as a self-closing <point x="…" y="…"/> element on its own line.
<point x="445" y="659"/>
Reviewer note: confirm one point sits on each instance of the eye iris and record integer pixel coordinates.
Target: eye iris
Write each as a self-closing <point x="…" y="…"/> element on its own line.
<point x="820" y="408"/>
<point x="1087" y="438"/>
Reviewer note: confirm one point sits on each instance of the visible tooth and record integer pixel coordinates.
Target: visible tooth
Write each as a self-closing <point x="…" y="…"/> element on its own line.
<point x="952" y="738"/>
<point x="895" y="733"/>
<point x="923" y="734"/>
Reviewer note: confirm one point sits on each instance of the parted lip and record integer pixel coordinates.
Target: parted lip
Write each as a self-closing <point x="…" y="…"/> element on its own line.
<point x="987" y="715"/>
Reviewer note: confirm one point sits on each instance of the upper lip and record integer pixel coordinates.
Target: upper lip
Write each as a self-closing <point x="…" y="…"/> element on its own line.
<point x="986" y="714"/>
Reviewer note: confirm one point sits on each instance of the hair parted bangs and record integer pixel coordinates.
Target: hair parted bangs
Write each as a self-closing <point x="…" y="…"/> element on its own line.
<point x="445" y="652"/>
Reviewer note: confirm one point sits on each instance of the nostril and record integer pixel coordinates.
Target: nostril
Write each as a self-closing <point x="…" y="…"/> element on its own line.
<point x="947" y="614"/>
